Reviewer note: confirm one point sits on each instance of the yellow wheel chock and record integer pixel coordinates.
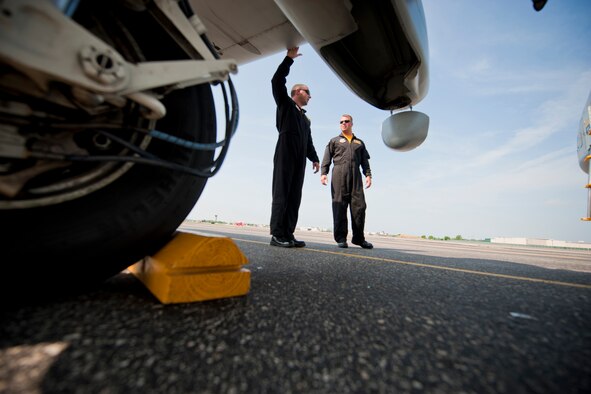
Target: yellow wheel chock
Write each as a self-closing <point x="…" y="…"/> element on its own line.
<point x="193" y="268"/>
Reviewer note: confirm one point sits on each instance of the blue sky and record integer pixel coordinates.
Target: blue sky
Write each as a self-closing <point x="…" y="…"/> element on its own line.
<point x="507" y="90"/>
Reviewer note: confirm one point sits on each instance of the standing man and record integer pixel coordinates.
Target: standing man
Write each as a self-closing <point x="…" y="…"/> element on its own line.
<point x="294" y="145"/>
<point x="347" y="152"/>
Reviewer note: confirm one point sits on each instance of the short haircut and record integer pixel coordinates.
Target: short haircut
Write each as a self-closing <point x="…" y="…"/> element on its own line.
<point x="348" y="116"/>
<point x="296" y="87"/>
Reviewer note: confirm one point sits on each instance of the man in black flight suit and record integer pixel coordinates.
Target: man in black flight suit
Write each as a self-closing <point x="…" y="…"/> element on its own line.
<point x="294" y="145"/>
<point x="347" y="152"/>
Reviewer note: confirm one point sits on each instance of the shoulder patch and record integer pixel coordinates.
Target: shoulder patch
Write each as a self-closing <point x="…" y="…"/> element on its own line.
<point x="342" y="140"/>
<point x="357" y="142"/>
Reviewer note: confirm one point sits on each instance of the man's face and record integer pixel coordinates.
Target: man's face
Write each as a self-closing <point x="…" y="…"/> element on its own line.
<point x="346" y="124"/>
<point x="303" y="96"/>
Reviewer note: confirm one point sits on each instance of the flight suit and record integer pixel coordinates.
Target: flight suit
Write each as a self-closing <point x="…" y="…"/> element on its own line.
<point x="294" y="145"/>
<point x="347" y="185"/>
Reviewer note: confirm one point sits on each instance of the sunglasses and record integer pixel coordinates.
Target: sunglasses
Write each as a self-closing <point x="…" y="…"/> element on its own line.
<point x="307" y="91"/>
<point x="345" y="121"/>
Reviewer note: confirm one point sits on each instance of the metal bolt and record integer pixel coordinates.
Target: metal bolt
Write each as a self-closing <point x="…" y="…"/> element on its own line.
<point x="104" y="66"/>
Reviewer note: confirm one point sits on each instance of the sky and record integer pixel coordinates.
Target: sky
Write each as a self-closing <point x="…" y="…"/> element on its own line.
<point x="507" y="90"/>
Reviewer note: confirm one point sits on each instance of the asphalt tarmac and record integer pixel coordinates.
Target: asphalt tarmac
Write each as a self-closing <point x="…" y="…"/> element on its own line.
<point x="409" y="316"/>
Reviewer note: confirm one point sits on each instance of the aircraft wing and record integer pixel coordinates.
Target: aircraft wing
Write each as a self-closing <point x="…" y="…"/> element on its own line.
<point x="378" y="48"/>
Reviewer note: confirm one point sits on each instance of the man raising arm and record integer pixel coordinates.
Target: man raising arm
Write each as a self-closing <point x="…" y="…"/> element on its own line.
<point x="294" y="145"/>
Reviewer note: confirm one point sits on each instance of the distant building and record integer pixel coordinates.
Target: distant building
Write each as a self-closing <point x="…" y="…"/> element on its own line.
<point x="540" y="242"/>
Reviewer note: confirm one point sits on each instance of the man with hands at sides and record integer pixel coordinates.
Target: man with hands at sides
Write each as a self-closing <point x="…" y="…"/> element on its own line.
<point x="348" y="153"/>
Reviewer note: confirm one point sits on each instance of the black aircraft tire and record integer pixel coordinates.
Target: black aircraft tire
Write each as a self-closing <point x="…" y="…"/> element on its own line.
<point x="80" y="243"/>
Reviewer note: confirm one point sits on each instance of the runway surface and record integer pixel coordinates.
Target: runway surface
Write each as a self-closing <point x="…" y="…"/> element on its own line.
<point x="410" y="315"/>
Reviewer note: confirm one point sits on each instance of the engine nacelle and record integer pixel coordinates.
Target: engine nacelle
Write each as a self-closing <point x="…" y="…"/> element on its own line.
<point x="405" y="131"/>
<point x="584" y="137"/>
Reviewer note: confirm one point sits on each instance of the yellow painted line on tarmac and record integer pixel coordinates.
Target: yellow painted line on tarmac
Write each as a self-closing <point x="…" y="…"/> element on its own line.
<point x="522" y="278"/>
